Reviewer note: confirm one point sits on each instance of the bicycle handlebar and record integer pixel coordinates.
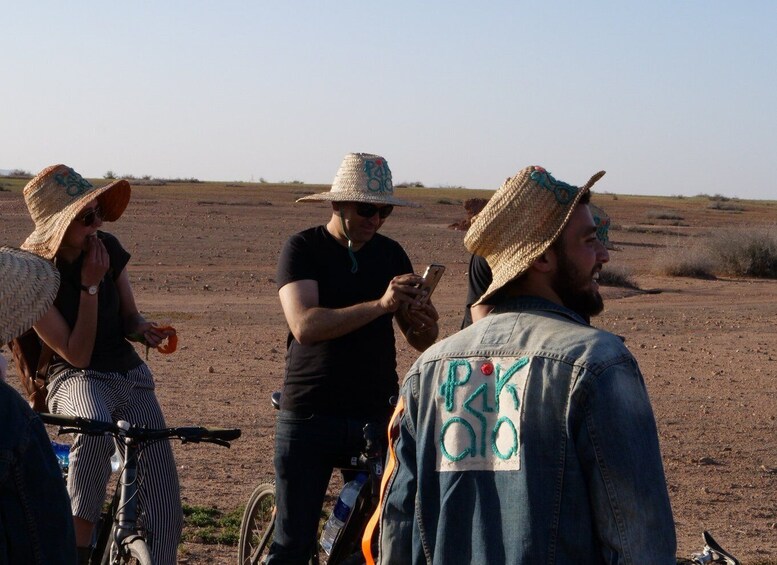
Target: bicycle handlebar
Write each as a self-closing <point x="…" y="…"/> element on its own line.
<point x="187" y="434"/>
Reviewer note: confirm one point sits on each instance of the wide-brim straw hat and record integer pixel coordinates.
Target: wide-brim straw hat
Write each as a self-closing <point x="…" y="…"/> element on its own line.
<point x="28" y="286"/>
<point x="55" y="197"/>
<point x="362" y="177"/>
<point x="602" y="221"/>
<point x="521" y="221"/>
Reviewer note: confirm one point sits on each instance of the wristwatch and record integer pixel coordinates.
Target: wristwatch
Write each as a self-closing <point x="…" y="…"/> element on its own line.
<point x="92" y="290"/>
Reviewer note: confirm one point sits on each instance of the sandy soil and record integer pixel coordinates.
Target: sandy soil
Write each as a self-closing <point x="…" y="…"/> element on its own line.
<point x="204" y="259"/>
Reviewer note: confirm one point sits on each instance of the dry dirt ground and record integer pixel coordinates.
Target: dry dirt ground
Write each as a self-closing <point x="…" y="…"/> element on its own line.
<point x="204" y="259"/>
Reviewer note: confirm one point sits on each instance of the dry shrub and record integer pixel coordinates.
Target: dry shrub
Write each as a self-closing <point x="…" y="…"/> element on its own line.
<point x="617" y="275"/>
<point x="746" y="252"/>
<point x="663" y="215"/>
<point x="682" y="261"/>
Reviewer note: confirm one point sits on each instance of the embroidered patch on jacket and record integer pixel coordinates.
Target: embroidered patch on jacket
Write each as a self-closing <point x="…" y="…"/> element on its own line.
<point x="73" y="183"/>
<point x="378" y="176"/>
<point x="562" y="191"/>
<point x="479" y="406"/>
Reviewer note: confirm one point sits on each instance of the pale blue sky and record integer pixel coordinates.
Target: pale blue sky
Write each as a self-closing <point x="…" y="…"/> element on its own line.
<point x="670" y="97"/>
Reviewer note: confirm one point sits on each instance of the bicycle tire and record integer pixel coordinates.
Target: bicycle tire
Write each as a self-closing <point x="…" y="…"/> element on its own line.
<point x="101" y="552"/>
<point x="257" y="526"/>
<point x="136" y="552"/>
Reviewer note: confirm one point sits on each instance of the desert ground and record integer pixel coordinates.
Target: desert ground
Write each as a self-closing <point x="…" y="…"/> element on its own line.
<point x="204" y="258"/>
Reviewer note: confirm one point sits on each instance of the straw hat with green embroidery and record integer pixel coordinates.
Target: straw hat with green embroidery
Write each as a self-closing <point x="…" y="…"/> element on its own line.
<point x="521" y="221"/>
<point x="362" y="177"/>
<point x="55" y="197"/>
<point x="28" y="286"/>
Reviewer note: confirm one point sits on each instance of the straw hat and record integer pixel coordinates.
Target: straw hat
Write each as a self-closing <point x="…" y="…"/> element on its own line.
<point x="28" y="286"/>
<point x="521" y="221"/>
<point x="361" y="178"/>
<point x="602" y="221"/>
<point x="55" y="197"/>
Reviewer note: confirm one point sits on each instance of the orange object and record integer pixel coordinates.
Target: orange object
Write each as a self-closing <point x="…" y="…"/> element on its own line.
<point x="171" y="343"/>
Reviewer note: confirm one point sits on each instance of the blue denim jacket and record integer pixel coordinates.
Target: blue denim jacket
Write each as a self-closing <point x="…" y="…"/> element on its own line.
<point x="526" y="438"/>
<point x="36" y="526"/>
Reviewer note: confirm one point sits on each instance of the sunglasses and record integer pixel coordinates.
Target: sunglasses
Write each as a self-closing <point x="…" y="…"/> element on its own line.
<point x="88" y="219"/>
<point x="369" y="210"/>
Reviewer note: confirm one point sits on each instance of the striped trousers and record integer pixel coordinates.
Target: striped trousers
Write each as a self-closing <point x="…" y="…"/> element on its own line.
<point x="111" y="397"/>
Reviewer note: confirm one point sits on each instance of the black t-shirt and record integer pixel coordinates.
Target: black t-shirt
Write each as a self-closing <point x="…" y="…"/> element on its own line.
<point x="478" y="280"/>
<point x="112" y="352"/>
<point x="355" y="374"/>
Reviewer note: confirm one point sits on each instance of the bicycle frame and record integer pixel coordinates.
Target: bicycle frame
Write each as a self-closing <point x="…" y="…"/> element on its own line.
<point x="118" y="537"/>
<point x="125" y="515"/>
<point x="258" y="520"/>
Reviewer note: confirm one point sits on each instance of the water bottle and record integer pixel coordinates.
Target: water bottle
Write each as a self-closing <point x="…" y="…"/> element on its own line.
<point x="341" y="512"/>
<point x="115" y="461"/>
<point x="62" y="451"/>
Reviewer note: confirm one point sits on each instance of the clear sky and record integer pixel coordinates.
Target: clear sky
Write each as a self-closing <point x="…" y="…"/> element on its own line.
<point x="670" y="97"/>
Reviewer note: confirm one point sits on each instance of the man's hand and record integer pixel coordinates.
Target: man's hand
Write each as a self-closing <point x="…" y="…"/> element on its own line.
<point x="403" y="289"/>
<point x="422" y="317"/>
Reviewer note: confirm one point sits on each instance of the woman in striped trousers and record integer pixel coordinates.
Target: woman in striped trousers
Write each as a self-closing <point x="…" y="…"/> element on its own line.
<point x="95" y="372"/>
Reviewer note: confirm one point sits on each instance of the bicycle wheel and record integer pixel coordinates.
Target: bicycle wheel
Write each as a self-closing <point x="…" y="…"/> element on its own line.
<point x="257" y="525"/>
<point x="138" y="553"/>
<point x="135" y="553"/>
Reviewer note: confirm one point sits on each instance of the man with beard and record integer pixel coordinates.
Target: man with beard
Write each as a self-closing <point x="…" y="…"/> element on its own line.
<point x="528" y="437"/>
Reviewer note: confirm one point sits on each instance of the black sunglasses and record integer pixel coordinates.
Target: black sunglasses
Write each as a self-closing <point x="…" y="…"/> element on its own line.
<point x="90" y="217"/>
<point x="369" y="210"/>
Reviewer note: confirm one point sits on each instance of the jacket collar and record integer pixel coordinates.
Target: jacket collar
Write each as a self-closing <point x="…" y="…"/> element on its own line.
<point x="534" y="303"/>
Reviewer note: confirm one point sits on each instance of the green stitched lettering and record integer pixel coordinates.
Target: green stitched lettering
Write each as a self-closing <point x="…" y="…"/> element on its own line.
<point x="481" y="391"/>
<point x="448" y="388"/>
<point x="495" y="432"/>
<point x="501" y="382"/>
<point x="467" y="426"/>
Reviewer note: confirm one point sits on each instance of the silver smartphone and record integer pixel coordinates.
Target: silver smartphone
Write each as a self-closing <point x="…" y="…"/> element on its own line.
<point x="432" y="276"/>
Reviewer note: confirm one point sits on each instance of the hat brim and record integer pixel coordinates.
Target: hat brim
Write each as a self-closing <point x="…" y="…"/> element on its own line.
<point x="28" y="286"/>
<point x="513" y="261"/>
<point x="47" y="236"/>
<point x="344" y="196"/>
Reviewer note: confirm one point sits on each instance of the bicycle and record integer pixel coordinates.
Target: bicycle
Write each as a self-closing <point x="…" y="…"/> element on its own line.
<point x="712" y="553"/>
<point x="118" y="540"/>
<point x="258" y="523"/>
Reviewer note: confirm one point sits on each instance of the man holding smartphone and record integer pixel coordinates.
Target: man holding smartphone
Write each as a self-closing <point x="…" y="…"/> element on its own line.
<point x="529" y="437"/>
<point x="341" y="285"/>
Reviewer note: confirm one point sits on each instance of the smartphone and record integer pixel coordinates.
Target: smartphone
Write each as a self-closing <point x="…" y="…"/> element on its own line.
<point x="432" y="276"/>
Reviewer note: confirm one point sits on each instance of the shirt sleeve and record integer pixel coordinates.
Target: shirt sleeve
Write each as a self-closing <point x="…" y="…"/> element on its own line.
<point x="397" y="511"/>
<point x="617" y="443"/>
<point x="479" y="279"/>
<point x="297" y="261"/>
<point x="117" y="255"/>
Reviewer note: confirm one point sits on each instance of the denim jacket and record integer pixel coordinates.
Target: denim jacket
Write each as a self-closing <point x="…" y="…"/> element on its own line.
<point x="526" y="438"/>
<point x="36" y="526"/>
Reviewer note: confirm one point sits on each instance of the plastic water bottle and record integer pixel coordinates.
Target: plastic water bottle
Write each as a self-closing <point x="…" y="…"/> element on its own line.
<point x="115" y="461"/>
<point x="62" y="451"/>
<point x="341" y="512"/>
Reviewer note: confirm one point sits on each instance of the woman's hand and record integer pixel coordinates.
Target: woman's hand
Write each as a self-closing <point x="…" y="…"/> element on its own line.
<point x="149" y="333"/>
<point x="96" y="262"/>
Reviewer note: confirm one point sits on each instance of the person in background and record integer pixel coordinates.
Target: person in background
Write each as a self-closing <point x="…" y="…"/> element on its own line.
<point x="95" y="371"/>
<point x="479" y="273"/>
<point x="529" y="437"/>
<point x="35" y="522"/>
<point x="341" y="286"/>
